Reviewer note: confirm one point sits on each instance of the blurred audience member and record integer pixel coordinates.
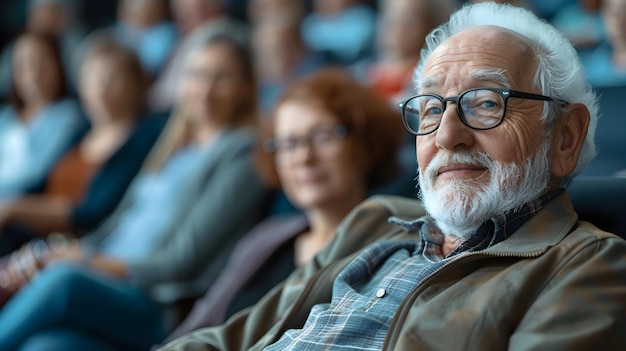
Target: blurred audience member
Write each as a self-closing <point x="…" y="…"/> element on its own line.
<point x="90" y="179"/>
<point x="41" y="121"/>
<point x="59" y="19"/>
<point x="182" y="217"/>
<point x="189" y="16"/>
<point x="342" y="29"/>
<point x="518" y="3"/>
<point x="55" y="17"/>
<point x="144" y="26"/>
<point x="606" y="65"/>
<point x="581" y="23"/>
<point x="331" y="143"/>
<point x="272" y="10"/>
<point x="280" y="54"/>
<point x="402" y="27"/>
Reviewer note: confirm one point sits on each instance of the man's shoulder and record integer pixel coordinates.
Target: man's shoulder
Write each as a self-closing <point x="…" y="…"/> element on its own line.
<point x="371" y="217"/>
<point x="367" y="223"/>
<point x="394" y="205"/>
<point x="585" y="233"/>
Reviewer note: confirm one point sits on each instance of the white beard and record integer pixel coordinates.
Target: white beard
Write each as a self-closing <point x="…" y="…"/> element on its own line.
<point x="460" y="206"/>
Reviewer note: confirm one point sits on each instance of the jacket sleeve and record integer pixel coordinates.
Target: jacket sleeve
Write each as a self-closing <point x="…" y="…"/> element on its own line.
<point x="584" y="304"/>
<point x="230" y="204"/>
<point x="260" y="325"/>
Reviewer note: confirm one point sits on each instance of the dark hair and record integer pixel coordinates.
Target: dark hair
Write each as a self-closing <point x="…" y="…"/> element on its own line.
<point x="369" y="118"/>
<point x="106" y="47"/>
<point x="53" y="45"/>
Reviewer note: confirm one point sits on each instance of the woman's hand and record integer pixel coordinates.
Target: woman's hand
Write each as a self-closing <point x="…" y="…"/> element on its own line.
<point x="11" y="279"/>
<point x="22" y="266"/>
<point x="26" y="262"/>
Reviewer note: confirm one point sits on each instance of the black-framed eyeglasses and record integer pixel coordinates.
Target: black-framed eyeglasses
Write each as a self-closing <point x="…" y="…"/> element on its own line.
<point x="320" y="138"/>
<point x="478" y="108"/>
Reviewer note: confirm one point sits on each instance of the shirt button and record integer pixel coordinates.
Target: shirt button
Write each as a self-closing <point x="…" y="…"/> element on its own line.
<point x="380" y="293"/>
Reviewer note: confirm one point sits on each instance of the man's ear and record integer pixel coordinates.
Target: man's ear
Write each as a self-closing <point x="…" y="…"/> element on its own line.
<point x="568" y="136"/>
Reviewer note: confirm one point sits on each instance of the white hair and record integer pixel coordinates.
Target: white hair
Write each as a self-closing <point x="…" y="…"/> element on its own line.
<point x="559" y="73"/>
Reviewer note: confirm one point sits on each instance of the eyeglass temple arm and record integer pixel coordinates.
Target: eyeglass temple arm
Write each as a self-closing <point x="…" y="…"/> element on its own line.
<point x="513" y="93"/>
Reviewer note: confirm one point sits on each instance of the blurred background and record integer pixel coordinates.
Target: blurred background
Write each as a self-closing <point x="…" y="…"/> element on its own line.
<point x="346" y="32"/>
<point x="378" y="41"/>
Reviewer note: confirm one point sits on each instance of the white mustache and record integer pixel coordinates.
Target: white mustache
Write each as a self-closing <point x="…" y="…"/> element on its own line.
<point x="442" y="159"/>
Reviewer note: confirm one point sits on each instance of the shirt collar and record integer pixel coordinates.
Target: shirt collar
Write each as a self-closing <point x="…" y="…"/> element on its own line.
<point x="491" y="232"/>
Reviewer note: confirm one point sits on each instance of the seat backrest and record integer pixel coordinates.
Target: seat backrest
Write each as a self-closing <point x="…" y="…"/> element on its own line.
<point x="610" y="140"/>
<point x="601" y="201"/>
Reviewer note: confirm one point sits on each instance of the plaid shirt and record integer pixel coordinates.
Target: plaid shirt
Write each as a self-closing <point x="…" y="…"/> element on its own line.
<point x="369" y="290"/>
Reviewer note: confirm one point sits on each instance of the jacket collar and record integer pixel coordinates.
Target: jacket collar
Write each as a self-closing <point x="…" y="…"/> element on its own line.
<point x="545" y="229"/>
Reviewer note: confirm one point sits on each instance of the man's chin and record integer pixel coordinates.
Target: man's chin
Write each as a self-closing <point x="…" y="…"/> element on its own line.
<point x="455" y="209"/>
<point x="455" y="184"/>
<point x="452" y="191"/>
<point x="461" y="204"/>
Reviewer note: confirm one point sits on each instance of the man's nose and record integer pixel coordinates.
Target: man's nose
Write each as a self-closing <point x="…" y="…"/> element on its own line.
<point x="452" y="132"/>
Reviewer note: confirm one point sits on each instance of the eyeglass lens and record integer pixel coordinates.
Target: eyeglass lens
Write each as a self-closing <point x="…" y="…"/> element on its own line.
<point x="480" y="109"/>
<point x="322" y="139"/>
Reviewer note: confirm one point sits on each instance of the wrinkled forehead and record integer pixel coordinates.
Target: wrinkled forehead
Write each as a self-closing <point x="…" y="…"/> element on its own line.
<point x="488" y="52"/>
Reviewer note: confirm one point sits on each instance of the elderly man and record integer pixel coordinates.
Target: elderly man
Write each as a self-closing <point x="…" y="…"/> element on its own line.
<point x="503" y="120"/>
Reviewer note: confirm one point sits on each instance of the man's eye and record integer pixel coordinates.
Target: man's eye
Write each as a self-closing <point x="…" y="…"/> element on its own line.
<point x="432" y="111"/>
<point x="488" y="104"/>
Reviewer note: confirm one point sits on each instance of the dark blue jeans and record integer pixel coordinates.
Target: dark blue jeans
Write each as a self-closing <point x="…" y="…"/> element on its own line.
<point x="77" y="305"/>
<point x="64" y="340"/>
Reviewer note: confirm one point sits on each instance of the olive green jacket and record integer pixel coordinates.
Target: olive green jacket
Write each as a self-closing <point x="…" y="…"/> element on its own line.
<point x="555" y="284"/>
